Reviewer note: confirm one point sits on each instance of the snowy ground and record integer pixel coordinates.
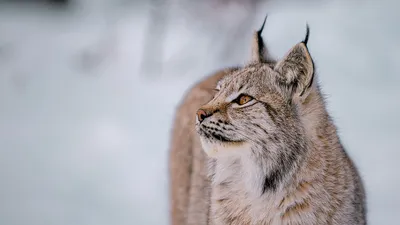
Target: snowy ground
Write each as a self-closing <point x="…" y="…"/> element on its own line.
<point x="86" y="143"/>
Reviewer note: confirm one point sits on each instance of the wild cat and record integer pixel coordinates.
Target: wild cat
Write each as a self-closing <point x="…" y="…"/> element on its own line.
<point x="275" y="156"/>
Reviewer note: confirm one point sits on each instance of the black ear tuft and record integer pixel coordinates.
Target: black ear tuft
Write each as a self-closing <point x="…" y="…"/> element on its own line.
<point x="259" y="32"/>
<point x="259" y="51"/>
<point x="305" y="41"/>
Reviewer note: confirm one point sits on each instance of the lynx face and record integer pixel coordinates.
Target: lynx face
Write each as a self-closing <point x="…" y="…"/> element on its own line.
<point x="249" y="108"/>
<point x="255" y="108"/>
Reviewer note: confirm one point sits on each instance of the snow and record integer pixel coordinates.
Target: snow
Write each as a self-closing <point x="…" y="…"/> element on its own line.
<point x="84" y="134"/>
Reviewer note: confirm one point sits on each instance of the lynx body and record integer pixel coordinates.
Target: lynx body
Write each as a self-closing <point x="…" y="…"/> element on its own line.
<point x="274" y="153"/>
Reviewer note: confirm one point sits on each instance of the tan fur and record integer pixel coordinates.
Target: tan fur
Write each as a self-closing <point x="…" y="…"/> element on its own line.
<point x="277" y="159"/>
<point x="189" y="197"/>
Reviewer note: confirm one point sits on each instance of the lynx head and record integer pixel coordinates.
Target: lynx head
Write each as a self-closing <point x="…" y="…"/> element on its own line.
<point x="256" y="108"/>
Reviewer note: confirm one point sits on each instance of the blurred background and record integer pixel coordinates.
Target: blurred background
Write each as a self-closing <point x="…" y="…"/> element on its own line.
<point x="88" y="90"/>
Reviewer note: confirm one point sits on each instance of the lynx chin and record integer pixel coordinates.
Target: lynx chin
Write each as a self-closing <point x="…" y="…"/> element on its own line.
<point x="274" y="156"/>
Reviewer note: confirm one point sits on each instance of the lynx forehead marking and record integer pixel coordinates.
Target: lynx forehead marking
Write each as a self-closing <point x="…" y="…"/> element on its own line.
<point x="232" y="96"/>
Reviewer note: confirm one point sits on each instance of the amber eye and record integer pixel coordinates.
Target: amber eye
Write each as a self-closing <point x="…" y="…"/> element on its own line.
<point x="243" y="99"/>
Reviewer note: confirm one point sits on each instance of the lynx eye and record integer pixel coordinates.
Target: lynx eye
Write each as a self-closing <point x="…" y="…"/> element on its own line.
<point x="243" y="99"/>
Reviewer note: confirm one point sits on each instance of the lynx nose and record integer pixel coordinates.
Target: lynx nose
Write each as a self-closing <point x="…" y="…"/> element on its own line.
<point x="202" y="114"/>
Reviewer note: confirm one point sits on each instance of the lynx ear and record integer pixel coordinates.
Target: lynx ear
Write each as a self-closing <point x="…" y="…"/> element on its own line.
<point x="259" y="52"/>
<point x="297" y="67"/>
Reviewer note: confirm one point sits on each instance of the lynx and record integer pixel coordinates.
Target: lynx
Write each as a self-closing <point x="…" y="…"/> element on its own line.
<point x="273" y="151"/>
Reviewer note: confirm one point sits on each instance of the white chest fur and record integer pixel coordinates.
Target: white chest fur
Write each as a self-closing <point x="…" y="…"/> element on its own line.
<point x="237" y="196"/>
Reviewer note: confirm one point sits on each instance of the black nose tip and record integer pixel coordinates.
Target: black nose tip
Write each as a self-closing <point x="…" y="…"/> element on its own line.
<point x="201" y="115"/>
